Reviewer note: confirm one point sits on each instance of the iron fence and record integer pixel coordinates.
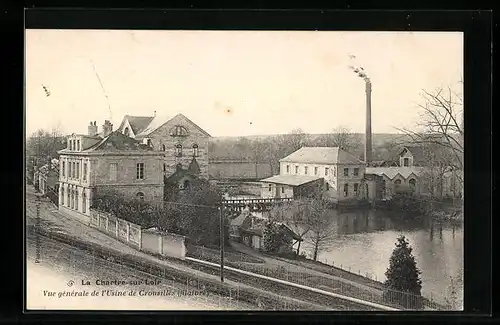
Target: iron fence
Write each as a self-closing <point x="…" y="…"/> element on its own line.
<point x="314" y="279"/>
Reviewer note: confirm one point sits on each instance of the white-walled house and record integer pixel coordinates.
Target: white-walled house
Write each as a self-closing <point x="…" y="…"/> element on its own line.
<point x="337" y="173"/>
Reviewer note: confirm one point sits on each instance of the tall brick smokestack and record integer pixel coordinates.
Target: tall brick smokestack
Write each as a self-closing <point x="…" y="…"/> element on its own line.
<point x="368" y="130"/>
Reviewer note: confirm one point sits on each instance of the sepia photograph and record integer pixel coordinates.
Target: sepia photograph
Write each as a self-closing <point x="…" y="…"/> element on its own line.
<point x="244" y="170"/>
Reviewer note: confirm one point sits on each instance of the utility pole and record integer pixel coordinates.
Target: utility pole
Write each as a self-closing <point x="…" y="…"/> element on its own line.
<point x="221" y="216"/>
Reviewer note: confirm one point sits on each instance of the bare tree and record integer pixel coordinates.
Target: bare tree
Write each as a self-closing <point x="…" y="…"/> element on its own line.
<point x="310" y="219"/>
<point x="343" y="138"/>
<point x="441" y="123"/>
<point x="441" y="129"/>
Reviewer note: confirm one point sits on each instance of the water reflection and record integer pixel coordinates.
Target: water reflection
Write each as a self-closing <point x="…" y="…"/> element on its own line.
<point x="366" y="239"/>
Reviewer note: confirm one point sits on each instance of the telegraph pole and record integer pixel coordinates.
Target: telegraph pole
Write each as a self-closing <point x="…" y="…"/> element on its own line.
<point x="221" y="216"/>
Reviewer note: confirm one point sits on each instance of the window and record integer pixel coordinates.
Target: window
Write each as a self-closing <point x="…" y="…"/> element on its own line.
<point x="412" y="183"/>
<point x="326" y="171"/>
<point x="356" y="171"/>
<point x="76" y="200"/>
<point x="74" y="144"/>
<point x="346" y="189"/>
<point x="406" y="162"/>
<point x="126" y="131"/>
<point x="62" y="196"/>
<point x="84" y="202"/>
<point x="270" y="187"/>
<point x="178" y="150"/>
<point x="195" y="150"/>
<point x="140" y="171"/>
<point x="316" y="170"/>
<point x="178" y="131"/>
<point x="164" y="167"/>
<point x="63" y="169"/>
<point x="163" y="147"/>
<point x="327" y="186"/>
<point x="140" y="196"/>
<point x="305" y="170"/>
<point x="334" y="171"/>
<point x="84" y="171"/>
<point x="282" y="189"/>
<point x="397" y="182"/>
<point x="346" y="171"/>
<point x="296" y="169"/>
<point x="77" y="170"/>
<point x="356" y="187"/>
<point x="288" y="169"/>
<point x="78" y="145"/>
<point x="71" y="145"/>
<point x="69" y="169"/>
<point x="68" y="201"/>
<point x="150" y="143"/>
<point x="113" y="169"/>
<point x="72" y="199"/>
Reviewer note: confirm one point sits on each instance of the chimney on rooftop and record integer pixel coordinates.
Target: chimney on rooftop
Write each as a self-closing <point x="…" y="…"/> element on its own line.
<point x="92" y="129"/>
<point x="107" y="128"/>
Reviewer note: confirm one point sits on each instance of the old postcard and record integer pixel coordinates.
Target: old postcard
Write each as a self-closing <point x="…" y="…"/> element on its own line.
<point x="244" y="170"/>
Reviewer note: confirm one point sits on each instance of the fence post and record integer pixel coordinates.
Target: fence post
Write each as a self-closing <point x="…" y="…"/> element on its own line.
<point x="128" y="232"/>
<point x="160" y="244"/>
<point x="107" y="222"/>
<point x="140" y="238"/>
<point x="116" y="227"/>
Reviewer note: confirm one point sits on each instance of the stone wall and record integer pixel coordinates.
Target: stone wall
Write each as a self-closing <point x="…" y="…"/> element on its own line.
<point x="161" y="137"/>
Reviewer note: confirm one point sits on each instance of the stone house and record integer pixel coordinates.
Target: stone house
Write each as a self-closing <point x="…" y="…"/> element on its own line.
<point x="183" y="144"/>
<point x="337" y="173"/>
<point x="399" y="179"/>
<point x="112" y="161"/>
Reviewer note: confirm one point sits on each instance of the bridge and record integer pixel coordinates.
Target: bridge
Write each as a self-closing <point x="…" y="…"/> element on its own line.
<point x="255" y="204"/>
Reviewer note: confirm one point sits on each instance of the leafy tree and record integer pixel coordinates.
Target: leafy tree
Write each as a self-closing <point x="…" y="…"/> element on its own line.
<point x="403" y="277"/>
<point x="42" y="146"/>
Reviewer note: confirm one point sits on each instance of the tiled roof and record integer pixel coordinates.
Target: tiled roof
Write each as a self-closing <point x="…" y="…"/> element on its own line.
<point x="118" y="141"/>
<point x="138" y="123"/>
<point x="391" y="172"/>
<point x="322" y="155"/>
<point x="238" y="221"/>
<point x="292" y="180"/>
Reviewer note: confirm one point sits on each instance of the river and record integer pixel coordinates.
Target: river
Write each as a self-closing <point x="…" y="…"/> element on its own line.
<point x="363" y="242"/>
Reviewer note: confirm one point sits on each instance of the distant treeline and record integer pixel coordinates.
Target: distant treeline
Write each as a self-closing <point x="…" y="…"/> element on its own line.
<point x="270" y="149"/>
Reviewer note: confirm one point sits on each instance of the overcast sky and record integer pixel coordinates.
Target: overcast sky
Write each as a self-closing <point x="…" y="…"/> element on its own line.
<point x="234" y="83"/>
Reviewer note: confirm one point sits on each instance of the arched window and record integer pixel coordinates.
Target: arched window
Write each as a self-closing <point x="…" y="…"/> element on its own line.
<point x="140" y="196"/>
<point x="179" y="131"/>
<point x="186" y="184"/>
<point x="397" y="182"/>
<point x="76" y="200"/>
<point x="327" y="186"/>
<point x="126" y="131"/>
<point x="150" y="143"/>
<point x="178" y="150"/>
<point x="163" y="147"/>
<point x="346" y="189"/>
<point x="164" y="167"/>
<point x="84" y="202"/>
<point x="195" y="150"/>
<point x="62" y="196"/>
<point x="412" y="182"/>
<point x="68" y="201"/>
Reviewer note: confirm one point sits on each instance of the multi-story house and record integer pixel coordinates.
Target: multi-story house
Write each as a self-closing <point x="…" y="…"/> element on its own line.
<point x="338" y="174"/>
<point x="113" y="160"/>
<point x="184" y="144"/>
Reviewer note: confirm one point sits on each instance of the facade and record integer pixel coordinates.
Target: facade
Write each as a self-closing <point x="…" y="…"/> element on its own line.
<point x="399" y="179"/>
<point x="342" y="174"/>
<point x="114" y="161"/>
<point x="178" y="138"/>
